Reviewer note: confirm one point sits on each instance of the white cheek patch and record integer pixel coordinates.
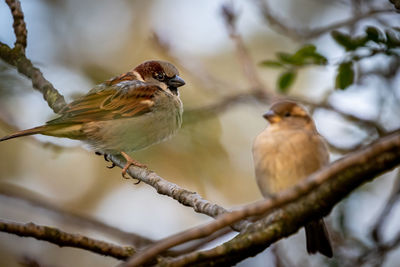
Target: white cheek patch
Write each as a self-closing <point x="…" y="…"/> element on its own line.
<point x="138" y="76"/>
<point x="163" y="86"/>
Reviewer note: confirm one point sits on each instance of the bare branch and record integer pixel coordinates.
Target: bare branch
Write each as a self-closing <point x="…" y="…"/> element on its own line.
<point x="32" y="198"/>
<point x="54" y="99"/>
<point x="303" y="34"/>
<point x="377" y="255"/>
<point x="393" y="199"/>
<point x="64" y="239"/>
<point x="183" y="196"/>
<point x="16" y="57"/>
<point x="230" y="16"/>
<point x="18" y="25"/>
<point x="326" y="187"/>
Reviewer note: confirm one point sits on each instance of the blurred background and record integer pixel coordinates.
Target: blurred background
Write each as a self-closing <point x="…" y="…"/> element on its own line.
<point x="78" y="44"/>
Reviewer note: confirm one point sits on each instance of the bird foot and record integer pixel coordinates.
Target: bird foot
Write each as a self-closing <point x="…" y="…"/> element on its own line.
<point x="130" y="161"/>
<point x="106" y="159"/>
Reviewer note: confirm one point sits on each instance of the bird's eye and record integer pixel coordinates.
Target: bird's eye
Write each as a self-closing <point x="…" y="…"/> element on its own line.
<point x="159" y="76"/>
<point x="287" y="114"/>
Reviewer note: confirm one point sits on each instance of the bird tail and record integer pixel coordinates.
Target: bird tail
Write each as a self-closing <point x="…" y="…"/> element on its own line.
<point x="73" y="131"/>
<point x="36" y="130"/>
<point x="318" y="238"/>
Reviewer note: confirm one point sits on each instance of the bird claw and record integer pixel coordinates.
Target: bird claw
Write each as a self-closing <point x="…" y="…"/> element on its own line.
<point x="129" y="162"/>
<point x="112" y="165"/>
<point x="106" y="159"/>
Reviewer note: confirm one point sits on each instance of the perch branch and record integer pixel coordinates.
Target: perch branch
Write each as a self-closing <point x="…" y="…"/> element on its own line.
<point x="183" y="196"/>
<point x="64" y="239"/>
<point x="326" y="187"/>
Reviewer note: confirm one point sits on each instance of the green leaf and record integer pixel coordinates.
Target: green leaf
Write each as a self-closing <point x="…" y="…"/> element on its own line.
<point x="345" y="40"/>
<point x="272" y="64"/>
<point x="285" y="80"/>
<point x="345" y="75"/>
<point x="392" y="39"/>
<point x="308" y="55"/>
<point x="307" y="49"/>
<point x="317" y="59"/>
<point x="374" y="34"/>
<point x="285" y="58"/>
<point x="342" y="39"/>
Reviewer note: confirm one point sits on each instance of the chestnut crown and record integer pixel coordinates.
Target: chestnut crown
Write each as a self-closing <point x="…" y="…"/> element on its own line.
<point x="160" y="71"/>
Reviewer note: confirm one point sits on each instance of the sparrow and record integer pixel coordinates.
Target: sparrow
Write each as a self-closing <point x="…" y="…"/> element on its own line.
<point x="124" y="114"/>
<point x="287" y="151"/>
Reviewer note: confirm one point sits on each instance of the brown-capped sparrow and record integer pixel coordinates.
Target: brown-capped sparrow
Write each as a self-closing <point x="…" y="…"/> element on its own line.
<point x="287" y="151"/>
<point x="124" y="114"/>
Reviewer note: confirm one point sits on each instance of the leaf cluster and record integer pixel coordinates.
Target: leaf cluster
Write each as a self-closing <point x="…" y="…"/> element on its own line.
<point x="373" y="40"/>
<point x="290" y="63"/>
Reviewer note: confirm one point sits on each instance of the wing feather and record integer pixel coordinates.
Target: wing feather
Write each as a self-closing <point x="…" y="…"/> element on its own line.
<point x="123" y="100"/>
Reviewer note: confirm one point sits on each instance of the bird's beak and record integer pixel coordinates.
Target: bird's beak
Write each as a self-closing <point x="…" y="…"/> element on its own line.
<point x="271" y="116"/>
<point x="176" y="81"/>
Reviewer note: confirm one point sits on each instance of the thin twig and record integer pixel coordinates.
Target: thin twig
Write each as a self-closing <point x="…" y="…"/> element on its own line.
<point x="343" y="175"/>
<point x="18" y="25"/>
<point x="15" y="58"/>
<point x="303" y="34"/>
<point x="249" y="69"/>
<point x="32" y="198"/>
<point x="64" y="239"/>
<point x="377" y="255"/>
<point x="380" y="221"/>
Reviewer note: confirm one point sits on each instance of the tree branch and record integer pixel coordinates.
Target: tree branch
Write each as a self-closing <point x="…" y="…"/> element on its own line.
<point x="31" y="198"/>
<point x="183" y="196"/>
<point x="64" y="239"/>
<point x="18" y="25"/>
<point x="249" y="70"/>
<point x="314" y="197"/>
<point x="16" y="57"/>
<point x="303" y="34"/>
<point x="24" y="66"/>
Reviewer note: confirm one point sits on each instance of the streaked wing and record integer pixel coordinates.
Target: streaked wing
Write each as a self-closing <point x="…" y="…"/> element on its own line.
<point x="122" y="100"/>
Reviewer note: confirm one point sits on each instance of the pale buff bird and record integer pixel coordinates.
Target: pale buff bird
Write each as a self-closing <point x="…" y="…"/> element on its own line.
<point x="287" y="151"/>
